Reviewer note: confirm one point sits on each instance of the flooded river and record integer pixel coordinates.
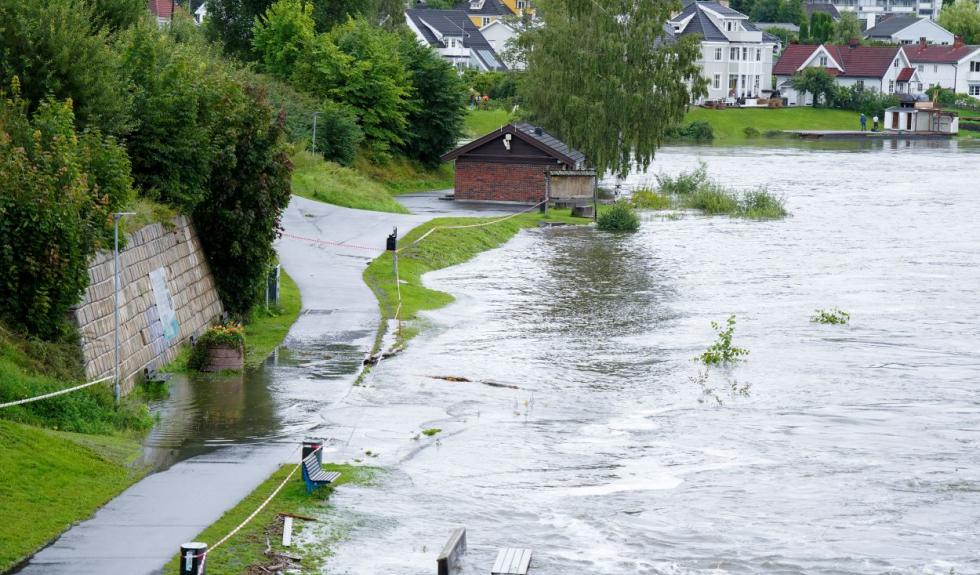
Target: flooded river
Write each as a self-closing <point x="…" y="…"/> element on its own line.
<point x="856" y="449"/>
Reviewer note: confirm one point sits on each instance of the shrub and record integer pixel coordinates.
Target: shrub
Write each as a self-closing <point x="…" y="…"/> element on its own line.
<point x="722" y="352"/>
<point x="751" y="132"/>
<point x="647" y="199"/>
<point x="712" y="200"/>
<point x="831" y="317"/>
<point x="699" y="131"/>
<point x="685" y="183"/>
<point x="774" y="134"/>
<point x="619" y="217"/>
<point x="947" y="97"/>
<point x="760" y="204"/>
<point x="226" y="335"/>
<point x="57" y="193"/>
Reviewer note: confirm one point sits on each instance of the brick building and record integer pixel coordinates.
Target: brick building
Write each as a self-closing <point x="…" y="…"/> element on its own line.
<point x="512" y="164"/>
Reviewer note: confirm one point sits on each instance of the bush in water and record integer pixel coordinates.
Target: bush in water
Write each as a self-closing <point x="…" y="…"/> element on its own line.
<point x="620" y="217"/>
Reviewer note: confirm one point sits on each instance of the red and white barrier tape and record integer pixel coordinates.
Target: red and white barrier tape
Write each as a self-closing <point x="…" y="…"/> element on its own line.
<point x="54" y="393"/>
<point x="330" y="242"/>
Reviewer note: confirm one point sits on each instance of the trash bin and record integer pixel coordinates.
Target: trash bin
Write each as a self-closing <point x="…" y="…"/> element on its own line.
<point x="192" y="558"/>
<point x="311" y="445"/>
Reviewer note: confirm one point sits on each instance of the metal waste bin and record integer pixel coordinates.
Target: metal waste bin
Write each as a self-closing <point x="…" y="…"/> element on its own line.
<point x="192" y="558"/>
<point x="311" y="445"/>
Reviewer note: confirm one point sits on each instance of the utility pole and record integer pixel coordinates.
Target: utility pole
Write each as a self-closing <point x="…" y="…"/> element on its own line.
<point x="115" y="223"/>
<point x="315" y="114"/>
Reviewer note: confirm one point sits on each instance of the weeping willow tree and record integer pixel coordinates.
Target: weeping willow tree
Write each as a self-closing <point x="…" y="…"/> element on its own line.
<point x="608" y="78"/>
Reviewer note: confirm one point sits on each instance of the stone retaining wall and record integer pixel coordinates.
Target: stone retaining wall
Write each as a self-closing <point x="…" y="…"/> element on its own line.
<point x="148" y="334"/>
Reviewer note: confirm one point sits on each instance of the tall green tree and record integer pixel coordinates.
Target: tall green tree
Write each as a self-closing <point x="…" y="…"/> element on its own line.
<point x="601" y="75"/>
<point x="387" y="13"/>
<point x="847" y="28"/>
<point x="438" y="103"/>
<point x="358" y="64"/>
<point x="281" y="35"/>
<point x="57" y="48"/>
<point x="814" y="81"/>
<point x="821" y="27"/>
<point x="230" y="22"/>
<point x="963" y="19"/>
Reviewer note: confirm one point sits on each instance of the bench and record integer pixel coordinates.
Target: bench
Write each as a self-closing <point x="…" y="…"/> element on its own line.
<point x="447" y="563"/>
<point x="314" y="475"/>
<point x="511" y="561"/>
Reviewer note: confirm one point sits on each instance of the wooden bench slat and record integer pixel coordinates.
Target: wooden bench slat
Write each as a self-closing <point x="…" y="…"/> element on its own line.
<point x="512" y="561"/>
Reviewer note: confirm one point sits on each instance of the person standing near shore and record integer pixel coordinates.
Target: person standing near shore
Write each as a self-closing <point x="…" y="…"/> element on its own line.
<point x="874" y="124"/>
<point x="864" y="122"/>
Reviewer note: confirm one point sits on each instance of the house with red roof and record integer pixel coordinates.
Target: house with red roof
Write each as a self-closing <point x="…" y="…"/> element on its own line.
<point x="884" y="69"/>
<point x="955" y="67"/>
<point x="163" y="10"/>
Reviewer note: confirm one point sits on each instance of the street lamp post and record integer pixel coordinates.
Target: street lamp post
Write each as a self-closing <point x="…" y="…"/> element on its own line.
<point x="315" y="114"/>
<point x="115" y="224"/>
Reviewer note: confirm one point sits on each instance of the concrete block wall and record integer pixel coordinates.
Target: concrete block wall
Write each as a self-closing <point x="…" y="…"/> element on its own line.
<point x="178" y="251"/>
<point x="500" y="182"/>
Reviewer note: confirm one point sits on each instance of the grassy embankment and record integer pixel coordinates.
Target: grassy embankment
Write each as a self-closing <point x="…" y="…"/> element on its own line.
<point x="51" y="478"/>
<point x="480" y="122"/>
<point x="247" y="548"/>
<point x="729" y="125"/>
<point x="441" y="249"/>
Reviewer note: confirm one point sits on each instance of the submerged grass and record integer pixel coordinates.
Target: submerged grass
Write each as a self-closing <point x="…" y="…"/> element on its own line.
<point x="267" y="327"/>
<point x="246" y="550"/>
<point x="316" y="179"/>
<point x="696" y="191"/>
<point x="441" y="249"/>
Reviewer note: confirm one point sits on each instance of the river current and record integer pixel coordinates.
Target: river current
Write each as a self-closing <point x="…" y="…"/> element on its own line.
<point x="585" y="435"/>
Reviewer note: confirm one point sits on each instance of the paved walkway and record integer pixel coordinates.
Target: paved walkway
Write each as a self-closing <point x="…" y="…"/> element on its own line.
<point x="138" y="531"/>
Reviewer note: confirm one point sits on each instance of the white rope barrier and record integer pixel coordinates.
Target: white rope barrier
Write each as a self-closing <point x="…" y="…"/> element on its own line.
<point x="54" y="393"/>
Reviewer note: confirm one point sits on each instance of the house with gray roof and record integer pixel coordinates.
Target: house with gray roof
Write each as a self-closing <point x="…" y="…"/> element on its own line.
<point x="910" y="30"/>
<point x="455" y="37"/>
<point x="736" y="56"/>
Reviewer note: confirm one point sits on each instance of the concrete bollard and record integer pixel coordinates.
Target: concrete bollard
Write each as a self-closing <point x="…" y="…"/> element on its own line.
<point x="192" y="558"/>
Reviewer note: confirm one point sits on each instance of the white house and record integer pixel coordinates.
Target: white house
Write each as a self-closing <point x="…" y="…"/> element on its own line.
<point x="736" y="57"/>
<point x="498" y="33"/>
<point x="956" y="67"/>
<point x="455" y="37"/>
<point x="883" y="69"/>
<point x="909" y="30"/>
<point x="201" y="13"/>
<point x="874" y="10"/>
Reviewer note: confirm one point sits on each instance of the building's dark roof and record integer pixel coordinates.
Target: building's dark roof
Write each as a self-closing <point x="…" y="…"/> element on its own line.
<point x="767" y="37"/>
<point x="889" y="26"/>
<point x="857" y="61"/>
<point x="689" y="8"/>
<point x="824" y="7"/>
<point x="530" y="134"/>
<point x="929" y="54"/>
<point x="551" y="142"/>
<point x="489" y="8"/>
<point x="699" y="24"/>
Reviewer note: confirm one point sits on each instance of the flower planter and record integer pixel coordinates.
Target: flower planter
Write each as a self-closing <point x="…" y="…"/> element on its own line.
<point x="224" y="357"/>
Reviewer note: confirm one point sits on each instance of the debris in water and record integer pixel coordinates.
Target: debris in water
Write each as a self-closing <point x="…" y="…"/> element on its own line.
<point x="450" y="378"/>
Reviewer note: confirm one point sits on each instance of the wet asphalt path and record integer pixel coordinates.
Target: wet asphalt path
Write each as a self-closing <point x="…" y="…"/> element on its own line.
<point x="138" y="531"/>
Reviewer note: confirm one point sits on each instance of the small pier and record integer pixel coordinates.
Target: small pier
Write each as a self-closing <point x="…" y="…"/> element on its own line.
<point x="866" y="135"/>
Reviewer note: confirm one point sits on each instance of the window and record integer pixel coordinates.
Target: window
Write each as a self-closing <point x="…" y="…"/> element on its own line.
<point x="717" y="83"/>
<point x="745" y="54"/>
<point x="891" y="86"/>
<point x="758" y="54"/>
<point x="919" y="86"/>
<point x="732" y="83"/>
<point x="521" y="4"/>
<point x="823" y="61"/>
<point x="895" y="63"/>
<point x="975" y="89"/>
<point x="756" y="84"/>
<point x="718" y="54"/>
<point x="921" y="68"/>
<point x="729" y="26"/>
<point x="975" y="66"/>
<point x="733" y="54"/>
<point x="486" y="21"/>
<point x="935" y="67"/>
<point x="860" y="84"/>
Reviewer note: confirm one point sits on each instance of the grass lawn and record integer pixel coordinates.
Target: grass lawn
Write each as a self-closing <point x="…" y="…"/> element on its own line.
<point x="247" y="547"/>
<point x="267" y="328"/>
<point x="402" y="176"/>
<point x="52" y="479"/>
<point x="316" y="179"/>
<point x="729" y="125"/>
<point x="480" y="122"/>
<point x="441" y="249"/>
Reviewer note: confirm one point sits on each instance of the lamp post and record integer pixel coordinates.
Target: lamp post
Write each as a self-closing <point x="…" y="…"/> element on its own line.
<point x="315" y="114"/>
<point x="115" y="224"/>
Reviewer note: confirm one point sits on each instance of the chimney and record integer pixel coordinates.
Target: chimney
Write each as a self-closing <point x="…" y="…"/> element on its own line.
<point x="957" y="41"/>
<point x="922" y="42"/>
<point x="853" y="42"/>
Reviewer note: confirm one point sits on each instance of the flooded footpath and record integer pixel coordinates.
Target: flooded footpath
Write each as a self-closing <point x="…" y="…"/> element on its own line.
<point x="582" y="434"/>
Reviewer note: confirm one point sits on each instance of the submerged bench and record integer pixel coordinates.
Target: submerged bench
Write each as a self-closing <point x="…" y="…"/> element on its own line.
<point x="511" y="561"/>
<point x="447" y="562"/>
<point x="314" y="475"/>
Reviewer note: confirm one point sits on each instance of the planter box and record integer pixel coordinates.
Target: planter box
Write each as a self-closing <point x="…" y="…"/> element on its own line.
<point x="222" y="357"/>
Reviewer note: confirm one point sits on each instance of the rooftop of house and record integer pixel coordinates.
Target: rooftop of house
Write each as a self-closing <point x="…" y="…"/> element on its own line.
<point x="484" y="8"/>
<point x="856" y="61"/>
<point x="161" y="8"/>
<point x="886" y="27"/>
<point x="691" y="5"/>
<point x="933" y="54"/>
<point x="454" y="23"/>
<point x="697" y="19"/>
<point x="824" y="7"/>
<point x="534" y="135"/>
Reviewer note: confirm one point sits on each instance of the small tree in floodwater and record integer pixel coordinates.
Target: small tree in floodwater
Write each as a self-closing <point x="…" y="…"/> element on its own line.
<point x="722" y="352"/>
